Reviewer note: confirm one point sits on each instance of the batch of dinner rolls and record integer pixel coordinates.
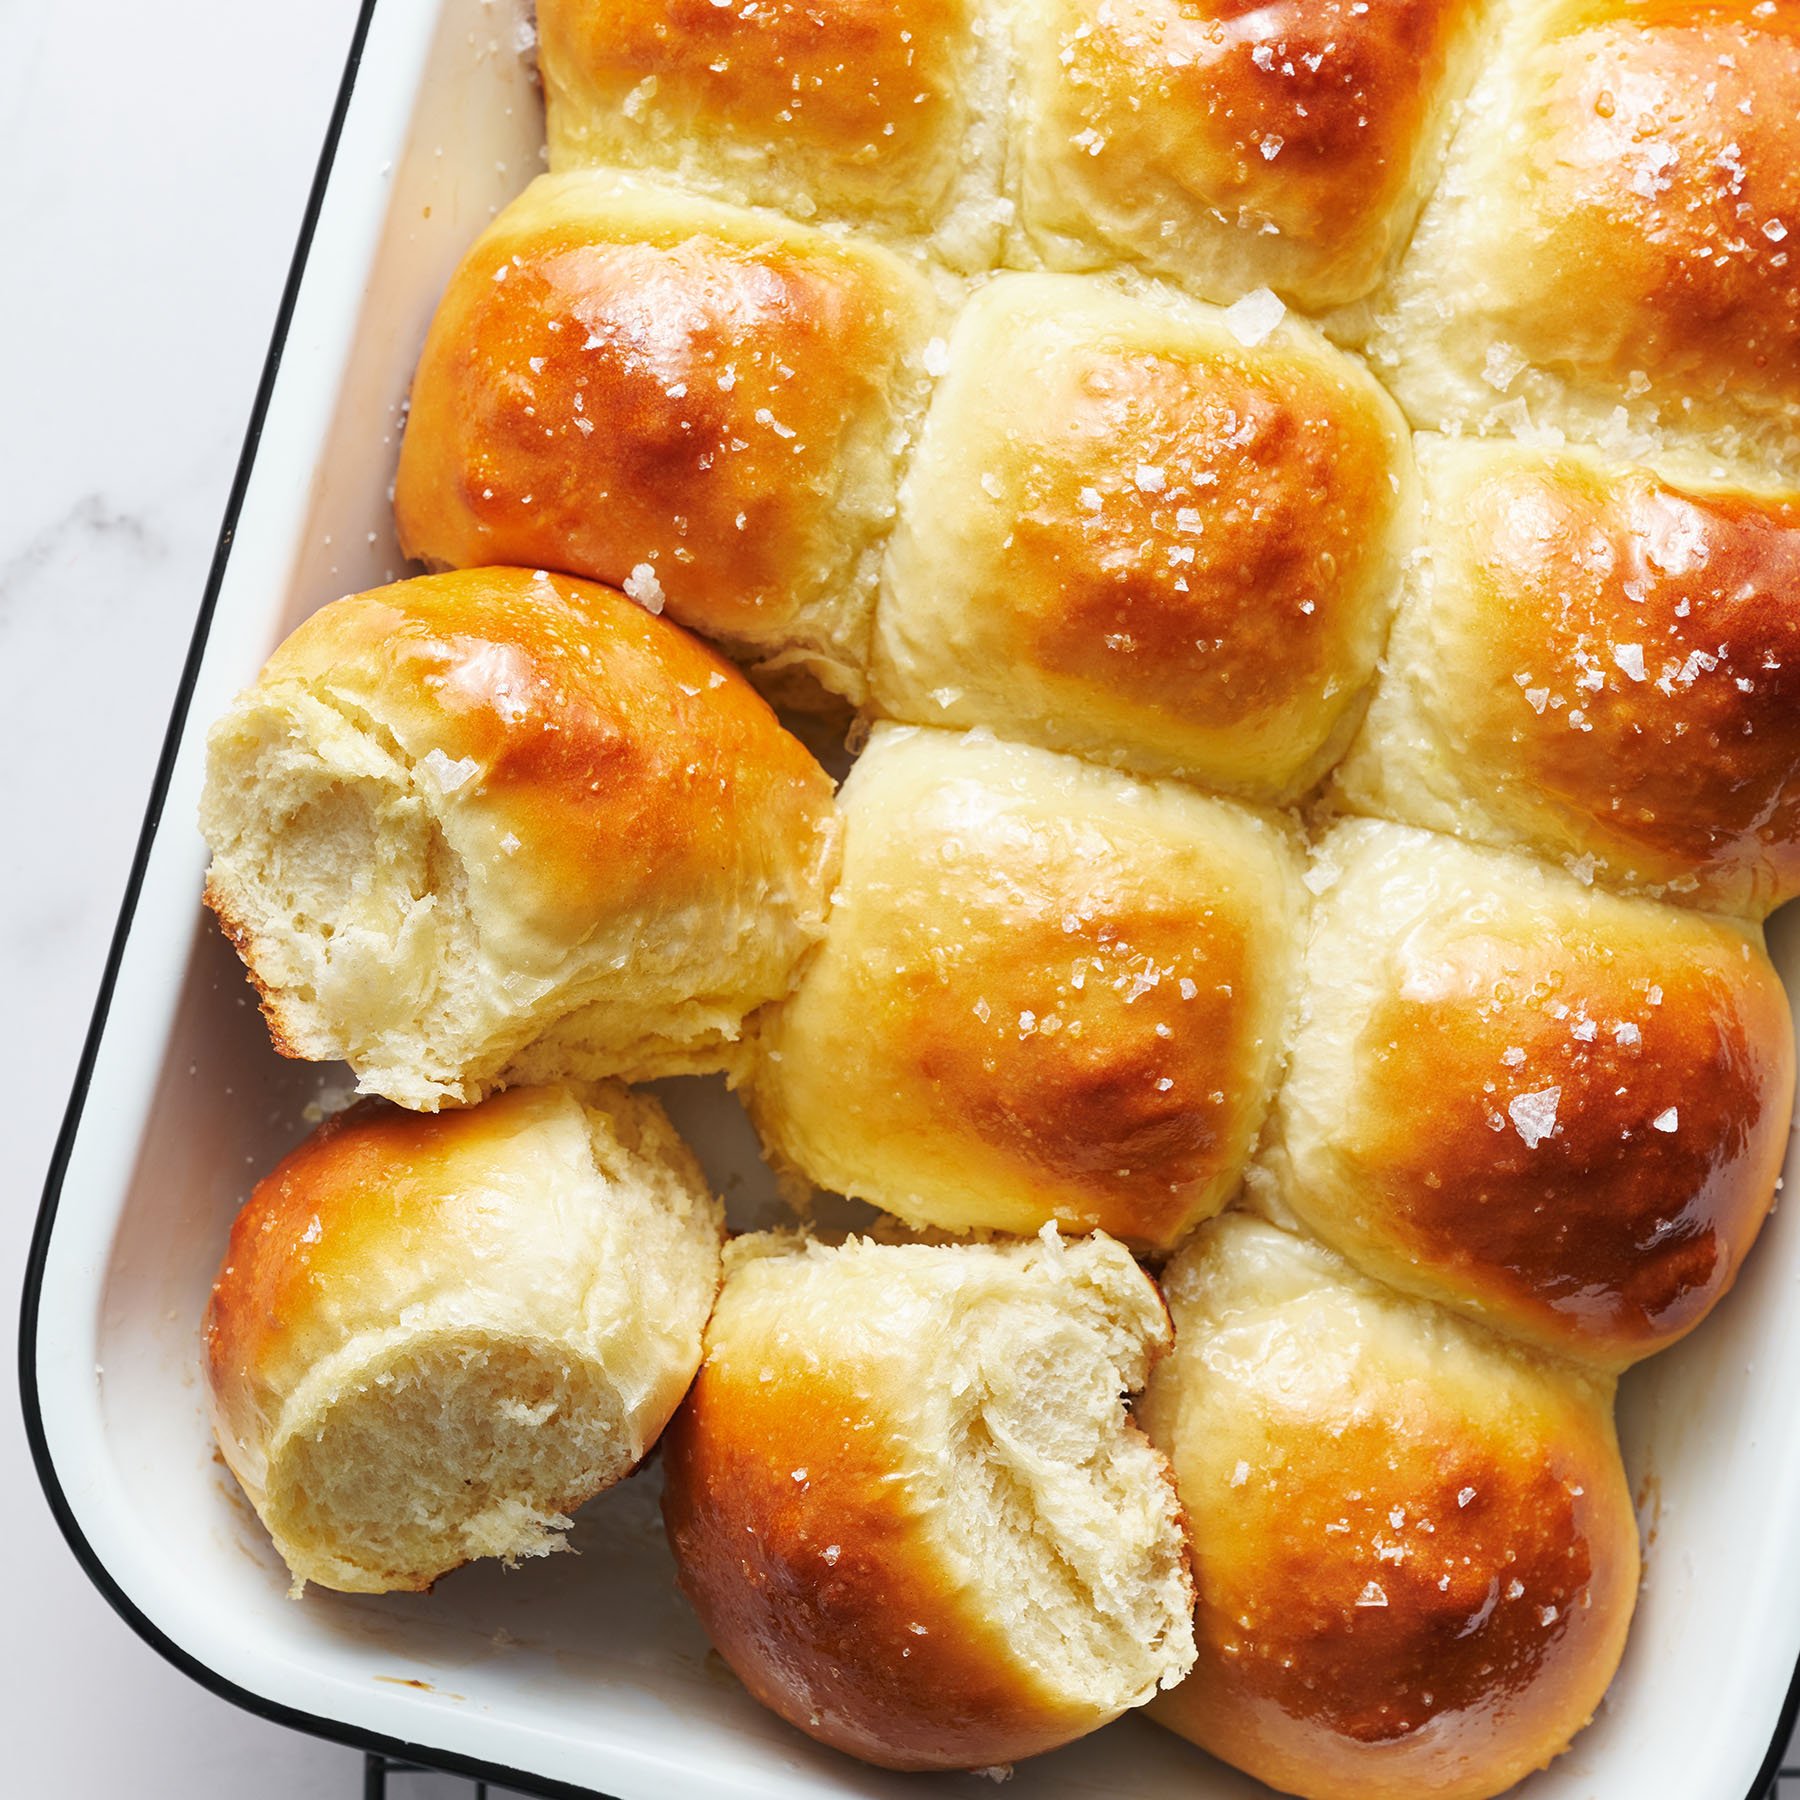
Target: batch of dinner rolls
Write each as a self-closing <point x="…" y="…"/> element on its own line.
<point x="1297" y="512"/>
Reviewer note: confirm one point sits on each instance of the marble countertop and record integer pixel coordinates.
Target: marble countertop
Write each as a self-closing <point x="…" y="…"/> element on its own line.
<point x="167" y="152"/>
<point x="165" y="155"/>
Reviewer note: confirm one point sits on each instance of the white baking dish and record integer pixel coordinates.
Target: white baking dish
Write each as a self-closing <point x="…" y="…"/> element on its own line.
<point x="578" y="1674"/>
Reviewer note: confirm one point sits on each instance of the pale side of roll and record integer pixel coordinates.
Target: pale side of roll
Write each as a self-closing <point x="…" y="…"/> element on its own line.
<point x="907" y="1500"/>
<point x="432" y="1338"/>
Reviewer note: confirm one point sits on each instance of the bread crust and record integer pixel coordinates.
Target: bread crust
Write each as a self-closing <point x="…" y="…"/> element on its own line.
<point x="1600" y="665"/>
<point x="1065" y="995"/>
<point x="851" y="108"/>
<point x="1131" y="535"/>
<point x="642" y="387"/>
<point x="1414" y="1544"/>
<point x="1609" y="253"/>
<point x="1557" y="1109"/>
<point x="1227" y="147"/>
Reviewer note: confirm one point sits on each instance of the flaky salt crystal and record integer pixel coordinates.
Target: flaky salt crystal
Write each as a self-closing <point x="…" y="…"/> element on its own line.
<point x="447" y="776"/>
<point x="642" y="586"/>
<point x="1254" y="318"/>
<point x="1534" y="1115"/>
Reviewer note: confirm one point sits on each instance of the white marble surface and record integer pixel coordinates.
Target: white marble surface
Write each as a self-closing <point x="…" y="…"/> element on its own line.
<point x="158" y="159"/>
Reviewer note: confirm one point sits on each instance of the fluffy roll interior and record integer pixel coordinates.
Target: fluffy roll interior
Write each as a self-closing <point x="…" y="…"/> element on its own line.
<point x="430" y="1453"/>
<point x="1063" y="1508"/>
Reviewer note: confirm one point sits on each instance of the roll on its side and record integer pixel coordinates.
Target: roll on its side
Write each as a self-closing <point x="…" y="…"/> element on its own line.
<point x="1414" y="1546"/>
<point x="1046" y="991"/>
<point x="1131" y="533"/>
<point x="1612" y="250"/>
<point x="499" y="826"/>
<point x="701" y="404"/>
<point x="888" y="113"/>
<point x="1598" y="665"/>
<point x="432" y="1338"/>
<point x="906" y="1499"/>
<point x="1230" y="148"/>
<point x="1557" y="1109"/>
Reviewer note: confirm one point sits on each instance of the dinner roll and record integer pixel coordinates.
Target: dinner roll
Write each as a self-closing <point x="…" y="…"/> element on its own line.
<point x="432" y="1338"/>
<point x="1612" y="249"/>
<point x="1232" y="148"/>
<point x="1046" y="991"/>
<point x="1602" y="667"/>
<point x="890" y="113"/>
<point x="1559" y="1110"/>
<point x="497" y="826"/>
<point x="1414" y="1545"/>
<point x="906" y="1499"/>
<point x="700" y="404"/>
<point x="1131" y="533"/>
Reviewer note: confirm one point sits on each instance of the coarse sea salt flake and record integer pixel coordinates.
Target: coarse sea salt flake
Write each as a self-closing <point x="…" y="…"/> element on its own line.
<point x="1253" y="319"/>
<point x="642" y="586"/>
<point x="937" y="357"/>
<point x="1630" y="658"/>
<point x="1503" y="366"/>
<point x="1668" y="1119"/>
<point x="1534" y="1115"/>
<point x="447" y="776"/>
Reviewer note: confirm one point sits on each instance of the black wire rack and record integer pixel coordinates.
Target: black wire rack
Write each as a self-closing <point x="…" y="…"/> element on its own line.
<point x="378" y="1771"/>
<point x="388" y="1778"/>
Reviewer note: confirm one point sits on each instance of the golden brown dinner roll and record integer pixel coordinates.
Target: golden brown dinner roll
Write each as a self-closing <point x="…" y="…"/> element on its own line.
<point x="1046" y="992"/>
<point x="1599" y="666"/>
<point x="1414" y="1547"/>
<point x="699" y="404"/>
<point x="907" y="1502"/>
<point x="1613" y="249"/>
<point x="887" y="112"/>
<point x="1559" y="1110"/>
<point x="432" y="1338"/>
<point x="1230" y="147"/>
<point x="498" y="826"/>
<point x="1148" y="534"/>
